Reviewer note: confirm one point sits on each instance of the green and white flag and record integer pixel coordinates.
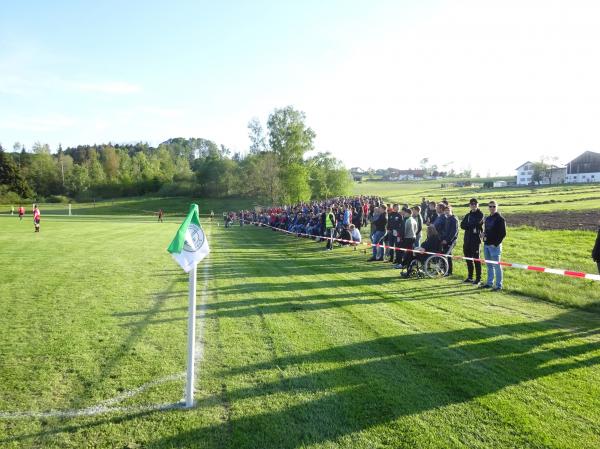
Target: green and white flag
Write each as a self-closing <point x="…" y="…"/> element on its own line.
<point x="189" y="245"/>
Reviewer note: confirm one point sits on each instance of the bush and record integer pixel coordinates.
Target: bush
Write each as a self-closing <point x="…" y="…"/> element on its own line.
<point x="8" y="197"/>
<point x="57" y="199"/>
<point x="181" y="188"/>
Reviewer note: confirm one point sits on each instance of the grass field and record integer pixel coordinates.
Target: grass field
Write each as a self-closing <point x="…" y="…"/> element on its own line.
<point x="302" y="348"/>
<point x="530" y="199"/>
<point x="136" y="206"/>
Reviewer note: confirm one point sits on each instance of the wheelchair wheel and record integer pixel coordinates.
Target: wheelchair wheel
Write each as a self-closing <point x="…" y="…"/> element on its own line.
<point x="436" y="266"/>
<point x="414" y="270"/>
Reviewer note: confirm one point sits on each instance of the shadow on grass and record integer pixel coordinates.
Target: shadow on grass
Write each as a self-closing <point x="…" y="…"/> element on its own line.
<point x="388" y="378"/>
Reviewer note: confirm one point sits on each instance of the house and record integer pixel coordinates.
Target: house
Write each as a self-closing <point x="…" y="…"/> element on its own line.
<point x="551" y="175"/>
<point x="524" y="174"/>
<point x="584" y="168"/>
<point x="554" y="175"/>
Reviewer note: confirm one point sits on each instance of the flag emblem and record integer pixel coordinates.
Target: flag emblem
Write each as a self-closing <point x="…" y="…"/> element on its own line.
<point x="195" y="239"/>
<point x="190" y="245"/>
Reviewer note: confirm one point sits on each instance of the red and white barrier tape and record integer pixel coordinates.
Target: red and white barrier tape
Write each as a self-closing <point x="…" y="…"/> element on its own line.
<point x="569" y="273"/>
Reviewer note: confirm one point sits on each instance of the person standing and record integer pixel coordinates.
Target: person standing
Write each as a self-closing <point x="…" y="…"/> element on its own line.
<point x="440" y="219"/>
<point x="330" y="229"/>
<point x="423" y="209"/>
<point x="395" y="226"/>
<point x="416" y="214"/>
<point x="596" y="250"/>
<point x="36" y="218"/>
<point x="449" y="235"/>
<point x="160" y="215"/>
<point x="379" y="222"/>
<point x="410" y="232"/>
<point x="494" y="232"/>
<point x="21" y="212"/>
<point x="472" y="224"/>
<point x="431" y="214"/>
<point x="394" y="220"/>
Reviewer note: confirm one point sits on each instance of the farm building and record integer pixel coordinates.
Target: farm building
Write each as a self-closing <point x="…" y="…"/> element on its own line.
<point x="524" y="173"/>
<point x="551" y="175"/>
<point x="584" y="168"/>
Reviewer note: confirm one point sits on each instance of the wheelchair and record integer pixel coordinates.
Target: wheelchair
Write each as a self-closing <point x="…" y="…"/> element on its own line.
<point x="431" y="266"/>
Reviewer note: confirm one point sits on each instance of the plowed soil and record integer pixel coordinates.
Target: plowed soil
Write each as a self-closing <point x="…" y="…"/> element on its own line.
<point x="573" y="220"/>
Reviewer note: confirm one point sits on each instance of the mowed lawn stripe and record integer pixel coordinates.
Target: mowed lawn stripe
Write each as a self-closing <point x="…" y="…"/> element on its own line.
<point x="288" y="255"/>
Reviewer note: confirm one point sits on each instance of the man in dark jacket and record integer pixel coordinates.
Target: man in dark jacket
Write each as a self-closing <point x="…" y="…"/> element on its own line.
<point x="449" y="235"/>
<point x="596" y="250"/>
<point x="394" y="230"/>
<point x="440" y="219"/>
<point x="493" y="234"/>
<point x="379" y="221"/>
<point x="472" y="224"/>
<point x="431" y="213"/>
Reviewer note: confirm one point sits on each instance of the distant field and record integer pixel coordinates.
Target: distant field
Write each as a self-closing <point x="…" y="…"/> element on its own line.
<point x="148" y="206"/>
<point x="514" y="199"/>
<point x="303" y="348"/>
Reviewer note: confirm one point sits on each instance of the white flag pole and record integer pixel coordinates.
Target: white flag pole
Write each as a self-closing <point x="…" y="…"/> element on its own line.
<point x="189" y="387"/>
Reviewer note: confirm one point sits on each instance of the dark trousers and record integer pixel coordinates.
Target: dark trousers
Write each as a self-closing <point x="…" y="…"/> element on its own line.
<point x="390" y="241"/>
<point x="447" y="249"/>
<point x="598" y="263"/>
<point x="397" y="253"/>
<point x="408" y="255"/>
<point x="472" y="250"/>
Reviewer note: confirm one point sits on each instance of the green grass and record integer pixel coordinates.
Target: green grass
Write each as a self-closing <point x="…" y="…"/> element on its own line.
<point x="303" y="348"/>
<point x="147" y="206"/>
<point x="580" y="197"/>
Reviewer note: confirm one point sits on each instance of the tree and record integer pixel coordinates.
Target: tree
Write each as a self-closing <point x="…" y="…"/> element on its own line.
<point x="77" y="180"/>
<point x="11" y="176"/>
<point x="289" y="137"/>
<point x="44" y="174"/>
<point x="258" y="141"/>
<point x="295" y="183"/>
<point x="423" y="164"/>
<point x="328" y="176"/>
<point x="539" y="171"/>
<point x="110" y="162"/>
<point x="39" y="148"/>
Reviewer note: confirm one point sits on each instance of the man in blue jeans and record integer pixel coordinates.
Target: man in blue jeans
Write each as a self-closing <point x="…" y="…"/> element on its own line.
<point x="493" y="234"/>
<point x="379" y="221"/>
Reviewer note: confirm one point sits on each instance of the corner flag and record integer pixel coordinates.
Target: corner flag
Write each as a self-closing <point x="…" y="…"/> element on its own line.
<point x="189" y="245"/>
<point x="188" y="248"/>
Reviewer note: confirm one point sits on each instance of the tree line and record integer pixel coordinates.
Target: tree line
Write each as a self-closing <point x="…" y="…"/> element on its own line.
<point x="276" y="169"/>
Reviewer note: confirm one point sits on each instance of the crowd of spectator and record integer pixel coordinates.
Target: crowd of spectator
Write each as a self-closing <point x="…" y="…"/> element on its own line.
<point x="392" y="226"/>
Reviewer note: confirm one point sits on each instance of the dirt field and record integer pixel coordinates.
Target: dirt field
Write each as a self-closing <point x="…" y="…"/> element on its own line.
<point x="556" y="220"/>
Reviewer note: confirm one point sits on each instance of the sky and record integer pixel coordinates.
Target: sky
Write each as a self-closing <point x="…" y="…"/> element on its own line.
<point x="480" y="85"/>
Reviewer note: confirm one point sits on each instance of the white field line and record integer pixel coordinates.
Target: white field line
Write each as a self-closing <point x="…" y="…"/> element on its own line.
<point x="110" y="405"/>
<point x="106" y="406"/>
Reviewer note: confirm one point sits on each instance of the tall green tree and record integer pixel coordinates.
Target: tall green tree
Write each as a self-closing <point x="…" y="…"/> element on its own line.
<point x="256" y="134"/>
<point x="289" y="137"/>
<point x="328" y="176"/>
<point x="295" y="183"/>
<point x="11" y="176"/>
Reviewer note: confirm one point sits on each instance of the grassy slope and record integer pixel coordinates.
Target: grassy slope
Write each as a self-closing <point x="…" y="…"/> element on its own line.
<point x="518" y="199"/>
<point x="303" y="348"/>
